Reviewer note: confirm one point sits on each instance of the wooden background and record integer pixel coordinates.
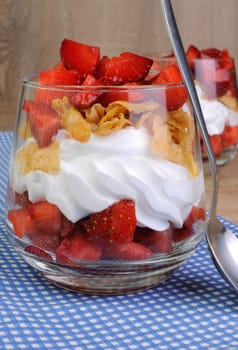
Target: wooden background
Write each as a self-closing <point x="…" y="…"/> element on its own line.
<point x="31" y="32"/>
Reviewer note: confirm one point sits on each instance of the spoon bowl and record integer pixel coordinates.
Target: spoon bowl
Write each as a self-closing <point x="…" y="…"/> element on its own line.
<point x="222" y="243"/>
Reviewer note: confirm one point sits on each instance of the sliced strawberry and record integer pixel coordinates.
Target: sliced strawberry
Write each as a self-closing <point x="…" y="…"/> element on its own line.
<point x="226" y="60"/>
<point x="102" y="67"/>
<point x="81" y="57"/>
<point x="125" y="93"/>
<point x="216" y="144"/>
<point x="117" y="223"/>
<point x="22" y="222"/>
<point x="38" y="252"/>
<point x="46" y="241"/>
<point x="196" y="214"/>
<point x="127" y="251"/>
<point x="85" y="98"/>
<point x="44" y="122"/>
<point x="180" y="234"/>
<point x="126" y="68"/>
<point x="58" y="75"/>
<point x="77" y="247"/>
<point x="47" y="217"/>
<point x="67" y="226"/>
<point x="229" y="136"/>
<point x="193" y="52"/>
<point x="211" y="52"/>
<point x="21" y="199"/>
<point x="156" y="241"/>
<point x="175" y="97"/>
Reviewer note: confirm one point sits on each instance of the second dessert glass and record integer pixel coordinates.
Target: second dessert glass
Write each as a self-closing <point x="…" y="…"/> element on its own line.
<point x="214" y="75"/>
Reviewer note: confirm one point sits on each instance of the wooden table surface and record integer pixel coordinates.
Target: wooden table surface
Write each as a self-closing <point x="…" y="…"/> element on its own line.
<point x="227" y="205"/>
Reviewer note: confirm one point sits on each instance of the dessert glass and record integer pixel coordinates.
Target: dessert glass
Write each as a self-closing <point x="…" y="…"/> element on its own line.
<point x="215" y="82"/>
<point x="72" y="168"/>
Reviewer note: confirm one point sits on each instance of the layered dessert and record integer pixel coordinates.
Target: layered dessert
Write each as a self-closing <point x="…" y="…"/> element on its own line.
<point x="214" y="75"/>
<point x="106" y="164"/>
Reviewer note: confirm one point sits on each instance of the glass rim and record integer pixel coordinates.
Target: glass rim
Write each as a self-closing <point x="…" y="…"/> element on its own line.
<point x="30" y="80"/>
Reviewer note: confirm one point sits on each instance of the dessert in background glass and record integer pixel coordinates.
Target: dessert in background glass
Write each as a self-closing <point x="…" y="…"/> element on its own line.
<point x="214" y="74"/>
<point x="106" y="184"/>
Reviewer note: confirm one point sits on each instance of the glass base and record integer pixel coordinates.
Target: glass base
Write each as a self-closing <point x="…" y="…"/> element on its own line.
<point x="109" y="277"/>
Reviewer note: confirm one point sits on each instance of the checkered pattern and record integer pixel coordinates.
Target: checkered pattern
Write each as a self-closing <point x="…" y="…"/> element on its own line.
<point x="194" y="309"/>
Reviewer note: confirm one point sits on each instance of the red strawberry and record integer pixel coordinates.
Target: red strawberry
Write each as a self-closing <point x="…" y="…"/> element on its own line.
<point x="196" y="214"/>
<point x="216" y="143"/>
<point x="67" y="226"/>
<point x="193" y="52"/>
<point x="38" y="252"/>
<point x="127" y="251"/>
<point x="211" y="52"/>
<point x="44" y="122"/>
<point x="175" y="97"/>
<point x="126" y="68"/>
<point x="156" y="241"/>
<point x="58" y="75"/>
<point x="180" y="234"/>
<point x="22" y="222"/>
<point x="117" y="223"/>
<point x="47" y="217"/>
<point x="46" y="241"/>
<point x="83" y="58"/>
<point x="123" y="94"/>
<point x="226" y="60"/>
<point x="229" y="136"/>
<point x="76" y="247"/>
<point x="102" y="67"/>
<point x="87" y="97"/>
<point x="21" y="199"/>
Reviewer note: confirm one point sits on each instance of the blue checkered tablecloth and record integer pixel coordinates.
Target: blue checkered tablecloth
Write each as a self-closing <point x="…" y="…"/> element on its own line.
<point x="194" y="309"/>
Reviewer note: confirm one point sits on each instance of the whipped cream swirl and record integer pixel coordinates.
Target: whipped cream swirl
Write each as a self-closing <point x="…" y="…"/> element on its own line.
<point x="95" y="174"/>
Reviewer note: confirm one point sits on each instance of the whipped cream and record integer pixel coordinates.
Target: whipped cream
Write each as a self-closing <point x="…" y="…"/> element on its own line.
<point x="95" y="174"/>
<point x="216" y="114"/>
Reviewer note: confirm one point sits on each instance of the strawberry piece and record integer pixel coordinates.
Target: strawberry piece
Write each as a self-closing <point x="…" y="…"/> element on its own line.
<point x="38" y="252"/>
<point x="195" y="215"/>
<point x="67" y="226"/>
<point x="211" y="52"/>
<point x="102" y="67"/>
<point x="44" y="122"/>
<point x="76" y="247"/>
<point x="180" y="234"/>
<point x="175" y="97"/>
<point x="22" y="222"/>
<point x="117" y="223"/>
<point x="216" y="144"/>
<point x="121" y="94"/>
<point x="192" y="52"/>
<point x="85" y="98"/>
<point x="127" y="251"/>
<point x="46" y="241"/>
<point x="58" y="75"/>
<point x="83" y="58"/>
<point x="226" y="60"/>
<point x="156" y="241"/>
<point x="47" y="217"/>
<point x="126" y="68"/>
<point x="21" y="199"/>
<point x="229" y="136"/>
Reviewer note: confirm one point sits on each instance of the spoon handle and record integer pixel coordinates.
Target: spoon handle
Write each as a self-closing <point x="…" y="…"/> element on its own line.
<point x="187" y="77"/>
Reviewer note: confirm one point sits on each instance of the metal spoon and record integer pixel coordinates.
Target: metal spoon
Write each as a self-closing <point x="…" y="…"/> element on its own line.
<point x="222" y="243"/>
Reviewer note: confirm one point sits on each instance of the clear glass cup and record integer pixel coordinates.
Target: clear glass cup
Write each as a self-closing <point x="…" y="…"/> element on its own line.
<point x="215" y="81"/>
<point x="107" y="199"/>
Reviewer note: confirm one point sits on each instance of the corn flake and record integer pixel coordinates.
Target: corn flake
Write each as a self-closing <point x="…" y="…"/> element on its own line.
<point x="173" y="139"/>
<point x="72" y="120"/>
<point x="32" y="158"/>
